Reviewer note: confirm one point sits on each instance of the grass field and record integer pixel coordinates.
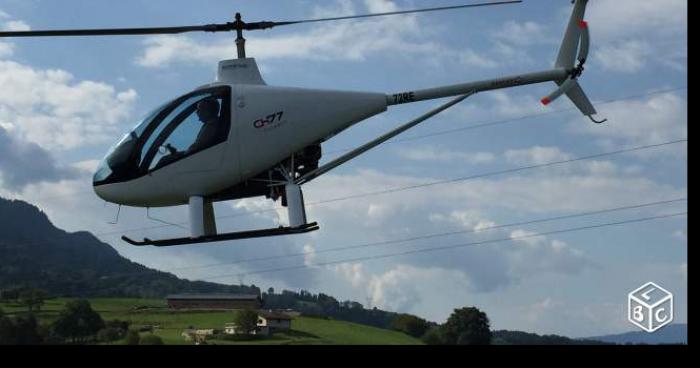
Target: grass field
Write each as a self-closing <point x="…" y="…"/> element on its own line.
<point x="171" y="324"/>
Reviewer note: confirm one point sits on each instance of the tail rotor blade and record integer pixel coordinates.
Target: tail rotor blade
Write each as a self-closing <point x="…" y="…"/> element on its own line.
<point x="563" y="88"/>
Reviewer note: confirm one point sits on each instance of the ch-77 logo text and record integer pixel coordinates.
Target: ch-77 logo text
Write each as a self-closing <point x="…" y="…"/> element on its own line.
<point x="270" y="120"/>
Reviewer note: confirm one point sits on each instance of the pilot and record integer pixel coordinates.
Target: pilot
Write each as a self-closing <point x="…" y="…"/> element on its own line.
<point x="208" y="114"/>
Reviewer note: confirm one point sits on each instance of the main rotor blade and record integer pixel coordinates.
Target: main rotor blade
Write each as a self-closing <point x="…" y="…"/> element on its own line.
<point x="120" y="31"/>
<point x="225" y="27"/>
<point x="396" y="13"/>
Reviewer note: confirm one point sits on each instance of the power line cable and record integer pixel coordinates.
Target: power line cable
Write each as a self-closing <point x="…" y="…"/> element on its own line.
<point x="412" y="187"/>
<point x="432" y="236"/>
<point x="430" y="249"/>
<point x="456" y="246"/>
<point x="430" y="184"/>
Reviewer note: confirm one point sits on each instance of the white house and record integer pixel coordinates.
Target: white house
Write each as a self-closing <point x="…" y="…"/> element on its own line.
<point x="268" y="322"/>
<point x="274" y="321"/>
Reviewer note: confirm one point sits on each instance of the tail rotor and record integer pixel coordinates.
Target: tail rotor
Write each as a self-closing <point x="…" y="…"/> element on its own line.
<point x="572" y="56"/>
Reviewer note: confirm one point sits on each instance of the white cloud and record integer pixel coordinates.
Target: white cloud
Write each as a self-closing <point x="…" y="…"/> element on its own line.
<point x="601" y="168"/>
<point x="471" y="58"/>
<point x="261" y="208"/>
<point x="353" y="272"/>
<point x="616" y="19"/>
<point x="630" y="34"/>
<point x="525" y="237"/>
<point x="432" y="153"/>
<point x="52" y="109"/>
<point x="497" y="105"/>
<point x="353" y="41"/>
<point x="309" y="254"/>
<point x="6" y="50"/>
<point x="541" y="310"/>
<point x="656" y="119"/>
<point x="523" y="34"/>
<point x="460" y="206"/>
<point x="537" y="155"/>
<point x="88" y="166"/>
<point x="596" y="184"/>
<point x="681" y="235"/>
<point x="332" y="41"/>
<point x="15" y="25"/>
<point x="470" y="220"/>
<point x="403" y="287"/>
<point x="626" y="56"/>
<point x="7" y="24"/>
<point x="23" y="163"/>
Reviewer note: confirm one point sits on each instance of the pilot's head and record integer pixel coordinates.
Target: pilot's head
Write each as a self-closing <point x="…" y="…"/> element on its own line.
<point x="208" y="110"/>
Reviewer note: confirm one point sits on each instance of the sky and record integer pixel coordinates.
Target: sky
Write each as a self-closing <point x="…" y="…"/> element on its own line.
<point x="65" y="101"/>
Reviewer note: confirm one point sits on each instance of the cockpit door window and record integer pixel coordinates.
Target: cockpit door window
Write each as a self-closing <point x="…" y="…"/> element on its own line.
<point x="202" y="121"/>
<point x="183" y="127"/>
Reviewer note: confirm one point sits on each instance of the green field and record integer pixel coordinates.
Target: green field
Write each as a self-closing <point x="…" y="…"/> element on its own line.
<point x="171" y="324"/>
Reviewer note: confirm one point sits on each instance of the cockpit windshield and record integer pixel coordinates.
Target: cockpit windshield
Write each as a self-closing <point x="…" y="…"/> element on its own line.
<point x="176" y="130"/>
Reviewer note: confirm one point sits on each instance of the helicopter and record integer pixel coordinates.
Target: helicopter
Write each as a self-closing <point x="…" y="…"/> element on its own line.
<point x="239" y="137"/>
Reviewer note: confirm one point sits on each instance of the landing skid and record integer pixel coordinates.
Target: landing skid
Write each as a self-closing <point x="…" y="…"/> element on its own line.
<point x="224" y="237"/>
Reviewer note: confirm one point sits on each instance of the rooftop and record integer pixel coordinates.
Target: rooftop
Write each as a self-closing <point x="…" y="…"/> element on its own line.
<point x="273" y="315"/>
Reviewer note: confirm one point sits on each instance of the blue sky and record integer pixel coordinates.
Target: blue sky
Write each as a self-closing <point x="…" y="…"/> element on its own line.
<point x="64" y="102"/>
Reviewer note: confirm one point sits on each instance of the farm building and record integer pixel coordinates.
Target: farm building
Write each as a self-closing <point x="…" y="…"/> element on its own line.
<point x="268" y="322"/>
<point x="213" y="301"/>
<point x="198" y="336"/>
<point x="274" y="321"/>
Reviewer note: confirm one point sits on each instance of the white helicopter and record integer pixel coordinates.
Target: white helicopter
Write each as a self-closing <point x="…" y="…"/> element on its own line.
<point x="239" y="138"/>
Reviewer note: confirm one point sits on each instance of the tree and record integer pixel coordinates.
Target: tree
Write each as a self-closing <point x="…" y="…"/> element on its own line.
<point x="133" y="337"/>
<point x="467" y="326"/>
<point x="151" y="340"/>
<point x="20" y="331"/>
<point x="433" y="336"/>
<point x="9" y="294"/>
<point x="78" y="321"/>
<point x="109" y="334"/>
<point x="271" y="291"/>
<point x="33" y="298"/>
<point x="119" y="325"/>
<point x="27" y="331"/>
<point x="7" y="331"/>
<point x="246" y="320"/>
<point x="410" y="325"/>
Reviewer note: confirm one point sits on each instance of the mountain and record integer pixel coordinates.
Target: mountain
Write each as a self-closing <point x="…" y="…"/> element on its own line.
<point x="671" y="334"/>
<point x="36" y="254"/>
<point x="503" y="337"/>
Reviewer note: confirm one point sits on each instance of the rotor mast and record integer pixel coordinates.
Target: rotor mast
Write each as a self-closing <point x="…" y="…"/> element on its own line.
<point x="240" y="41"/>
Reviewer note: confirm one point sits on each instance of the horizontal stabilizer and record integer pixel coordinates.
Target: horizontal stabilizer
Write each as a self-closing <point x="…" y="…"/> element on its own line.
<point x="579" y="98"/>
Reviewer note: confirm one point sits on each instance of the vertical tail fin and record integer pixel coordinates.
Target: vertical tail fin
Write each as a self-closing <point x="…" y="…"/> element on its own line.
<point x="570" y="44"/>
<point x="574" y="47"/>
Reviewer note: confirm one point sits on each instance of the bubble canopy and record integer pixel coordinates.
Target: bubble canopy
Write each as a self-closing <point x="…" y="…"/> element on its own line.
<point x="174" y="131"/>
